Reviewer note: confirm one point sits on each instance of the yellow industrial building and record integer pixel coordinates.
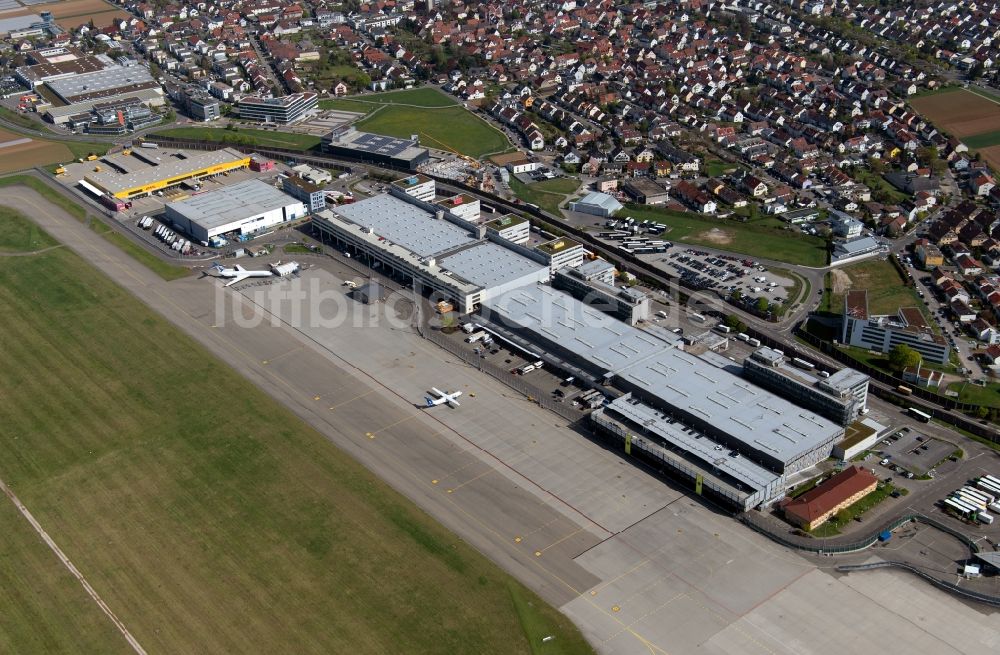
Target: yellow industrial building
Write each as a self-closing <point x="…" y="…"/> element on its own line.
<point x="143" y="171"/>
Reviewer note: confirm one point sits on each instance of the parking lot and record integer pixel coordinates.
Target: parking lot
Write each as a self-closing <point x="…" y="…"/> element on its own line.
<point x="914" y="452"/>
<point x="726" y="274"/>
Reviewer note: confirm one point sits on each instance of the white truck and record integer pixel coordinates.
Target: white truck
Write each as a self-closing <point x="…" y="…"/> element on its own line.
<point x="475" y="336"/>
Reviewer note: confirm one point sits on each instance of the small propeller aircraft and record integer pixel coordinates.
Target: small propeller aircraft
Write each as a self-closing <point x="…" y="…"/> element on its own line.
<point x="442" y="398"/>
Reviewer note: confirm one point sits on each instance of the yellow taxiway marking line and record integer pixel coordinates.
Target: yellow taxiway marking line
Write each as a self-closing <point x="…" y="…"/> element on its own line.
<point x="470" y="480"/>
<point x="279" y="356"/>
<point x="559" y="541"/>
<point x="395" y="423"/>
<point x="351" y="400"/>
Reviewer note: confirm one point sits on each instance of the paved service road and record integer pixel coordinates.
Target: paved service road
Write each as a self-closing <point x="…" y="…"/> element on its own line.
<point x="641" y="566"/>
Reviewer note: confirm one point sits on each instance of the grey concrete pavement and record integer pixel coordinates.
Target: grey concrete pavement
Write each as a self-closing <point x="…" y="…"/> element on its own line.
<point x="639" y="566"/>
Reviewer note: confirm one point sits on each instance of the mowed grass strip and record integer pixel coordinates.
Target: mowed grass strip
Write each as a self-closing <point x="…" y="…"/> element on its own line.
<point x="754" y="238"/>
<point x="449" y="128"/>
<point x="44" y="608"/>
<point x="208" y="517"/>
<point x="164" y="269"/>
<point x="244" y="136"/>
<point x="420" y="97"/>
<point x="18" y="234"/>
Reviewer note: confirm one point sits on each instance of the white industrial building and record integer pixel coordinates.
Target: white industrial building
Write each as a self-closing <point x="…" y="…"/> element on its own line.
<point x="692" y="414"/>
<point x="511" y="227"/>
<point x="462" y="205"/>
<point x="420" y="187"/>
<point x="431" y="249"/>
<point x="598" y="204"/>
<point x="244" y="208"/>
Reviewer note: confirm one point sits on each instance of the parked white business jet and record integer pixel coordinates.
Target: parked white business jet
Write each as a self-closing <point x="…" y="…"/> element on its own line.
<point x="443" y="398"/>
<point x="238" y="273"/>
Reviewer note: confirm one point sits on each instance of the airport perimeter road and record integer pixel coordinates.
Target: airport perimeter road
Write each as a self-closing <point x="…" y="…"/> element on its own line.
<point x="639" y="565"/>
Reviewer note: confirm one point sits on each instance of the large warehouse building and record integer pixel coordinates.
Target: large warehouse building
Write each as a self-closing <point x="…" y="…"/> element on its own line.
<point x="147" y="170"/>
<point x="436" y="250"/>
<point x="104" y="84"/>
<point x="365" y="147"/>
<point x="693" y="414"/>
<point x="243" y="208"/>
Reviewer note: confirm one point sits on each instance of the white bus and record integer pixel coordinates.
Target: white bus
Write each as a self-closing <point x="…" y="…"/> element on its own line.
<point x="697" y="317"/>
<point x="957" y="507"/>
<point x="920" y="416"/>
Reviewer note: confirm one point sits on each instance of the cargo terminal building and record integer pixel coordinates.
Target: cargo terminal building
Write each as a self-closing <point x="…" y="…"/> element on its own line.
<point x="147" y="170"/>
<point x="694" y="415"/>
<point x="431" y="249"/>
<point x="244" y="208"/>
<point x="840" y="397"/>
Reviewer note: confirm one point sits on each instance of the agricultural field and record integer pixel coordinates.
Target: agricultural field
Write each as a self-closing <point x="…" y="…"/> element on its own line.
<point x="70" y="14"/>
<point x="444" y="128"/>
<point x="18" y="152"/>
<point x="960" y="113"/>
<point x="208" y="517"/>
<point x="756" y="239"/>
<point x="971" y="115"/>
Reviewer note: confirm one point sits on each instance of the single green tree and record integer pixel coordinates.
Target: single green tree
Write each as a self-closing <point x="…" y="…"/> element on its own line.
<point x="902" y="356"/>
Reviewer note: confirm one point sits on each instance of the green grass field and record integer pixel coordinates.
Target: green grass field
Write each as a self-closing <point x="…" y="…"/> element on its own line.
<point x="935" y="92"/>
<point x="756" y="239"/>
<point x="886" y="291"/>
<point x="446" y="128"/>
<point x="162" y="268"/>
<point x="17" y="234"/>
<point x="988" y="396"/>
<point x="208" y="517"/>
<point x="45" y="610"/>
<point x="420" y="97"/>
<point x="546" y="197"/>
<point x="23" y="120"/>
<point x="244" y="136"/>
<point x="984" y="140"/>
<point x="348" y="105"/>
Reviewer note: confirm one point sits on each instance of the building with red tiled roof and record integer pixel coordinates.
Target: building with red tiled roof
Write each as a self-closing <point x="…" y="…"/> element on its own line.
<point x="816" y="506"/>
